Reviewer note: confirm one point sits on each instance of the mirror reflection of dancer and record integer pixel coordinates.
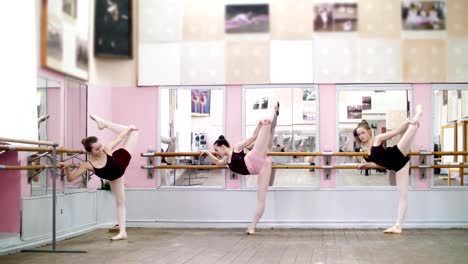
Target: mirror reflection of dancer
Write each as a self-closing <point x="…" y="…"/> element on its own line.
<point x="202" y="101"/>
<point x="108" y="166"/>
<point x="245" y="18"/>
<point x="393" y="158"/>
<point x="255" y="162"/>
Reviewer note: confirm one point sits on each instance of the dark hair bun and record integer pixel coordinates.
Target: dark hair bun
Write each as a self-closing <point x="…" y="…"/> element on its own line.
<point x="221" y="137"/>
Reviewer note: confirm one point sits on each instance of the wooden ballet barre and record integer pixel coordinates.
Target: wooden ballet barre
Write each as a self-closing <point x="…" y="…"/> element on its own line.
<point x="194" y="167"/>
<point x="31" y="167"/>
<point x="305" y="154"/>
<point x="24" y="141"/>
<point x="39" y="149"/>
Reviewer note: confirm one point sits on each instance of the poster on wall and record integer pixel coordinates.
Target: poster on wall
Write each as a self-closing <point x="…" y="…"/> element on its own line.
<point x="242" y="19"/>
<point x="354" y="111"/>
<point x="201" y="102"/>
<point x="261" y="104"/>
<point x="335" y="17"/>
<point x="113" y="28"/>
<point x="366" y="103"/>
<point x="423" y="15"/>
<point x="308" y="95"/>
<point x="64" y="37"/>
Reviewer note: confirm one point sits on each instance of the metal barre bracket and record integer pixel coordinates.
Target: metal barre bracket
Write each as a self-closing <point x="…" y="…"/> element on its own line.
<point x="150" y="164"/>
<point x="423" y="164"/>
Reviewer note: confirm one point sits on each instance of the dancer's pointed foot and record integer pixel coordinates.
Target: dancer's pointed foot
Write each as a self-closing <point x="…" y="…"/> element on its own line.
<point x="419" y="109"/>
<point x="43" y="118"/>
<point x="393" y="230"/>
<point x="120" y="236"/>
<point x="250" y="230"/>
<point x="98" y="121"/>
<point x="277" y="108"/>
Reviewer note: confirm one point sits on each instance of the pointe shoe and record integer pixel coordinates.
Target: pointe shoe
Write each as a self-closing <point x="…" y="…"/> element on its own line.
<point x="277" y="108"/>
<point x="393" y="230"/>
<point x="98" y="121"/>
<point x="419" y="109"/>
<point x="120" y="236"/>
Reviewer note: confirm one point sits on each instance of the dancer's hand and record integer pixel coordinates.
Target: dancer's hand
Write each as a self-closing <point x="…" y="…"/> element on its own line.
<point x="203" y="152"/>
<point x="63" y="165"/>
<point x="361" y="166"/>
<point x="265" y="122"/>
<point x="414" y="122"/>
<point x="133" y="128"/>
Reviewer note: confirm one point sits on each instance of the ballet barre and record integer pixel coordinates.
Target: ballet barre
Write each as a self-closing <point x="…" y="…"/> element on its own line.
<point x="53" y="150"/>
<point x="308" y="154"/>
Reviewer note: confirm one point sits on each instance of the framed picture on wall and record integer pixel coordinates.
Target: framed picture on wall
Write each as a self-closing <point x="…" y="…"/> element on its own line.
<point x="354" y="111"/>
<point x="308" y="95"/>
<point x="335" y="17"/>
<point x="366" y="103"/>
<point x="113" y="28"/>
<point x="64" y="37"/>
<point x="252" y="18"/>
<point x="201" y="102"/>
<point x="423" y="15"/>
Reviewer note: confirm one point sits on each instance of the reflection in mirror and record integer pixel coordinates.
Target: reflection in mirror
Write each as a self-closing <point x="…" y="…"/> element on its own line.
<point x="204" y="107"/>
<point x="384" y="110"/>
<point x="296" y="130"/>
<point x="49" y="122"/>
<point x="75" y="128"/>
<point x="450" y="111"/>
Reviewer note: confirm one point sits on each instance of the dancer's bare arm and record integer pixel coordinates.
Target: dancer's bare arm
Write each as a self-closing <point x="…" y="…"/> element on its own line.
<point x="111" y="145"/>
<point x="385" y="136"/>
<point x="245" y="143"/>
<point x="213" y="157"/>
<point x="368" y="165"/>
<point x="73" y="175"/>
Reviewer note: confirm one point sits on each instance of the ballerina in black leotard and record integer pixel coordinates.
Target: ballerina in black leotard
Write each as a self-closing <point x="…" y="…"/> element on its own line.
<point x="393" y="158"/>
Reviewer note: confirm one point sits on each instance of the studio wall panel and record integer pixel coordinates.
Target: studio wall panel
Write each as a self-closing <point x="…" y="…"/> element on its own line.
<point x="202" y="63"/>
<point x="457" y="18"/>
<point x="335" y="59"/>
<point x="247" y="62"/>
<point x="291" y="20"/>
<point x="379" y="19"/>
<point x="160" y="21"/>
<point x="424" y="61"/>
<point x="203" y="20"/>
<point x="291" y="62"/>
<point x="457" y="62"/>
<point x="159" y="64"/>
<point x="379" y="61"/>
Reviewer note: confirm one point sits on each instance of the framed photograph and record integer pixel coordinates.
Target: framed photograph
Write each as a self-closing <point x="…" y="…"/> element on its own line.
<point x="201" y="102"/>
<point x="247" y="19"/>
<point x="261" y="104"/>
<point x="308" y="95"/>
<point x="64" y="33"/>
<point x="335" y="17"/>
<point x="423" y="15"/>
<point x="354" y="111"/>
<point x="113" y="28"/>
<point x="69" y="7"/>
<point x="366" y="103"/>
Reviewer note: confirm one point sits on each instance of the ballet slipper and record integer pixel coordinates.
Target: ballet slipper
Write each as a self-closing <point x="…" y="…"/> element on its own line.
<point x="250" y="231"/>
<point x="98" y="121"/>
<point x="120" y="236"/>
<point x="393" y="230"/>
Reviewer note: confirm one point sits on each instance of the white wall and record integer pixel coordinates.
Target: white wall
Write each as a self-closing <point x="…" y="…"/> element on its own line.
<point x="18" y="51"/>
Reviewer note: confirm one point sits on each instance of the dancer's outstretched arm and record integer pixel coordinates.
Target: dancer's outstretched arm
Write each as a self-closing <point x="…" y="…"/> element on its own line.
<point x="385" y="136"/>
<point x="245" y="143"/>
<point x="213" y="157"/>
<point x="109" y="147"/>
<point x="368" y="165"/>
<point x="73" y="175"/>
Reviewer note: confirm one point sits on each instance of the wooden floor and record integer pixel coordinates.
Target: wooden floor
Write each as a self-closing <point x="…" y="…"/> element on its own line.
<point x="154" y="245"/>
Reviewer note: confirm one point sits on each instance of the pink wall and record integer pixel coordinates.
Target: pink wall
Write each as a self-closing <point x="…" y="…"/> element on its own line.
<point x="130" y="106"/>
<point x="423" y="141"/>
<point x="10" y="194"/>
<point x="327" y="130"/>
<point x="233" y="129"/>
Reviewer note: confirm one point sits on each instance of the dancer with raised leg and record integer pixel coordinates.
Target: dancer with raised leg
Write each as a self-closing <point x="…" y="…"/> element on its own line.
<point x="393" y="158"/>
<point x="108" y="164"/>
<point x="255" y="162"/>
